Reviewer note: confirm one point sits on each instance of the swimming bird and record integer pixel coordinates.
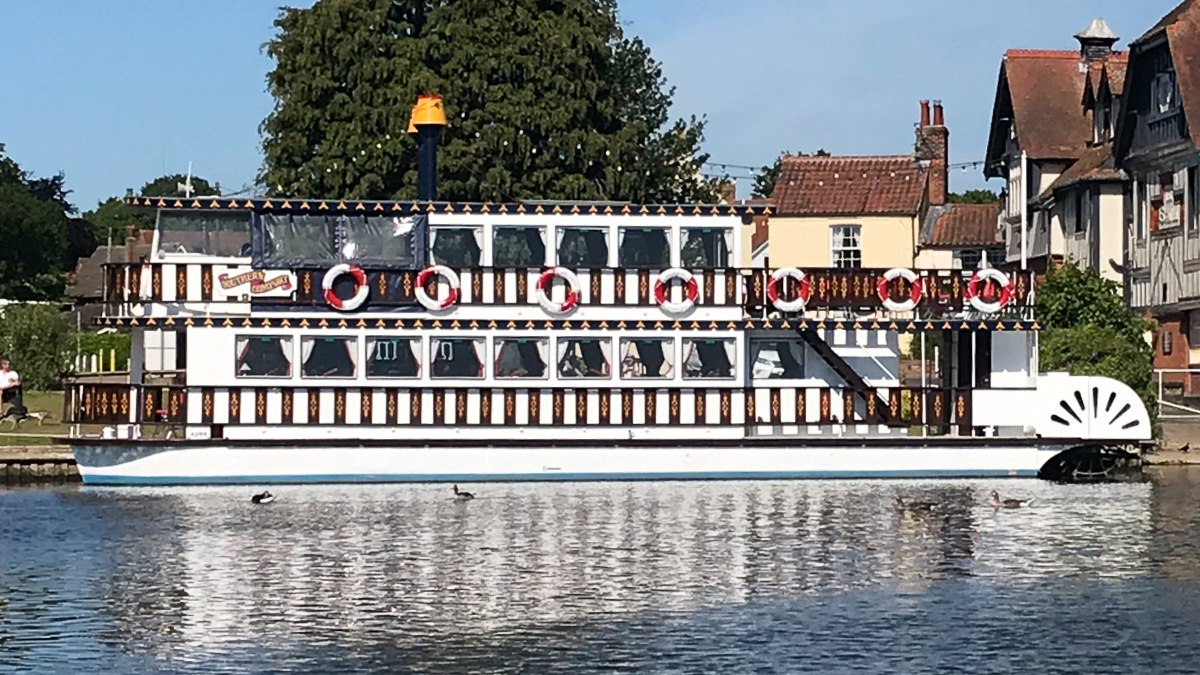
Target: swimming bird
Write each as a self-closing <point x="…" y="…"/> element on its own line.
<point x="263" y="497"/>
<point x="915" y="506"/>
<point x="1185" y="447"/>
<point x="1006" y="503"/>
<point x="459" y="494"/>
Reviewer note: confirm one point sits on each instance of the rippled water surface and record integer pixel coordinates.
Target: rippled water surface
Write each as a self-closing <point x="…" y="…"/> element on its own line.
<point x="677" y="577"/>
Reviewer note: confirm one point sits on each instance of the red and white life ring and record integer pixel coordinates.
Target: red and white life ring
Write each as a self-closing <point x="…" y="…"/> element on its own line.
<point x="1005" y="290"/>
<point x="915" y="289"/>
<point x="361" y="289"/>
<point x="429" y="302"/>
<point x="543" y="290"/>
<point x="691" y="290"/>
<point x="802" y="296"/>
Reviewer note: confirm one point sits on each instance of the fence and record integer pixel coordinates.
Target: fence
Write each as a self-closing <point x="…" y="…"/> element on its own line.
<point x="1175" y="376"/>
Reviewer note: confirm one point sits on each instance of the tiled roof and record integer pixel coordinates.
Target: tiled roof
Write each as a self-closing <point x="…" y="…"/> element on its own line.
<point x="1168" y="19"/>
<point x="848" y="185"/>
<point x="1184" y="37"/>
<point x="955" y="225"/>
<point x="1096" y="164"/>
<point x="1046" y="88"/>
<point x="88" y="279"/>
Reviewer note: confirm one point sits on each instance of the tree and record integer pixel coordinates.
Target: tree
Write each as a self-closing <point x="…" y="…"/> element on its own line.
<point x="546" y="99"/>
<point x="33" y="227"/>
<point x="974" y="197"/>
<point x="38" y="340"/>
<point x="111" y="218"/>
<point x="1088" y="330"/>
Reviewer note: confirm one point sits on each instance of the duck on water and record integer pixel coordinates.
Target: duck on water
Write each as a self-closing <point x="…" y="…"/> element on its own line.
<point x="462" y="495"/>
<point x="264" y="497"/>
<point x="1007" y="503"/>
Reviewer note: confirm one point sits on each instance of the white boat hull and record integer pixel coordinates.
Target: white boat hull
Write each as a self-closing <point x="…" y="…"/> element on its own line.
<point x="211" y="463"/>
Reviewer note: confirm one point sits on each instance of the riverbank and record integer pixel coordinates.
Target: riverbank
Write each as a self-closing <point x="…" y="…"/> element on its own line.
<point x="37" y="465"/>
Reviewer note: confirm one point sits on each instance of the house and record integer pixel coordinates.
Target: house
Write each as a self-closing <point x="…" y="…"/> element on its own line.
<point x="859" y="210"/>
<point x="960" y="236"/>
<point x="1051" y="139"/>
<point x="1157" y="137"/>
<point x="85" y="287"/>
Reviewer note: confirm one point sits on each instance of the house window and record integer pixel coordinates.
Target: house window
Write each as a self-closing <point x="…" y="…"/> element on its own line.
<point x="644" y="247"/>
<point x="647" y="358"/>
<point x="968" y="258"/>
<point x="264" y="356"/>
<point x="521" y="357"/>
<point x="328" y="356"/>
<point x="776" y="359"/>
<point x="846" y="246"/>
<point x="1167" y="346"/>
<point x="1077" y="212"/>
<point x="583" y="246"/>
<point x="518" y="247"/>
<point x="587" y="358"/>
<point x="393" y="357"/>
<point x="1139" y="211"/>
<point x="1164" y="97"/>
<point x="708" y="359"/>
<point x="456" y="246"/>
<point x="162" y="352"/>
<point x="706" y="248"/>
<point x="460" y="358"/>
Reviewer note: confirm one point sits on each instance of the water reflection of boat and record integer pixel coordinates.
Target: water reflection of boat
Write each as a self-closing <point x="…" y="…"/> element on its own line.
<point x="527" y="555"/>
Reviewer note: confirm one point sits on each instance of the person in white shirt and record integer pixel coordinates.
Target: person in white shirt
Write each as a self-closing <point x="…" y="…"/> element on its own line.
<point x="10" y="384"/>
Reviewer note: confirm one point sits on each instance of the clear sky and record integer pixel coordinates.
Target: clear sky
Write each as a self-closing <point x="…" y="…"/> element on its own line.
<point x="119" y="92"/>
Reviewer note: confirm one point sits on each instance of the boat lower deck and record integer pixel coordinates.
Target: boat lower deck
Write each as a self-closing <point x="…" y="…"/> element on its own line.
<point x="184" y="462"/>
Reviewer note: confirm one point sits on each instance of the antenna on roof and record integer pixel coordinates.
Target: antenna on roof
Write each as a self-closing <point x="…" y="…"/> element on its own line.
<point x="186" y="186"/>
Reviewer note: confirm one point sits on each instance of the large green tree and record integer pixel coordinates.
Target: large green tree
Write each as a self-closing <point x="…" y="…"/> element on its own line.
<point x="1087" y="329"/>
<point x="545" y="99"/>
<point x="974" y="197"/>
<point x="33" y="226"/>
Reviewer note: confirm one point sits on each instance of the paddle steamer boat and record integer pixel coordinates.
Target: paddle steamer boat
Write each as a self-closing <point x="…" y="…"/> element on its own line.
<point x="309" y="341"/>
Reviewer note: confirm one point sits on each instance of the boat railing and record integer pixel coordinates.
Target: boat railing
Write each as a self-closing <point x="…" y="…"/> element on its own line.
<point x="936" y="410"/>
<point x="758" y="291"/>
<point x="1178" y="384"/>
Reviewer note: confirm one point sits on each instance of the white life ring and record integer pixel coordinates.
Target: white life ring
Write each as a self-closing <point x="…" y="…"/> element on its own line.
<point x="691" y="290"/>
<point x="802" y="296"/>
<point x="1005" y="290"/>
<point x="543" y="290"/>
<point x="431" y="303"/>
<point x="915" y="290"/>
<point x="361" y="288"/>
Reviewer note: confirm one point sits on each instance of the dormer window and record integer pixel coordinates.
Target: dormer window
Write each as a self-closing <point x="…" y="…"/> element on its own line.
<point x="1164" y="99"/>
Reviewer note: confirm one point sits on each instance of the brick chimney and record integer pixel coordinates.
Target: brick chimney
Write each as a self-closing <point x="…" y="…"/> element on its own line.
<point x="932" y="150"/>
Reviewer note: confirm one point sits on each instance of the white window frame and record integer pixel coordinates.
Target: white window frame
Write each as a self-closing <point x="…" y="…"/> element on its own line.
<point x="835" y="244"/>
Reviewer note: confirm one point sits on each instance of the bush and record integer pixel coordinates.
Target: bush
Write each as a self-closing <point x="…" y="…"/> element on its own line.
<point x="1088" y="330"/>
<point x="103" y="344"/>
<point x="38" y="340"/>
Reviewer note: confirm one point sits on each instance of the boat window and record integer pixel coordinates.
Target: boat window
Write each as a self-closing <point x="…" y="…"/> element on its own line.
<point x="457" y="357"/>
<point x="328" y="356"/>
<point x="645" y="247"/>
<point x="583" y="246"/>
<point x="264" y="356"/>
<point x="588" y="358"/>
<point x="708" y="359"/>
<point x="297" y="240"/>
<point x="456" y="246"/>
<point x="521" y="357"/>
<point x="518" y="247"/>
<point x="707" y="247"/>
<point x="214" y="233"/>
<point x="776" y="359"/>
<point x="393" y="357"/>
<point x="651" y="358"/>
<point x="380" y="240"/>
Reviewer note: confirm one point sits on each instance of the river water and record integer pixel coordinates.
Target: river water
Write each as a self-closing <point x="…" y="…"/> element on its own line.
<point x="718" y="577"/>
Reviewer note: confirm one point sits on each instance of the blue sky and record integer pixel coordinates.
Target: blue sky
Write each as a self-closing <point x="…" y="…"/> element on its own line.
<point x="119" y="92"/>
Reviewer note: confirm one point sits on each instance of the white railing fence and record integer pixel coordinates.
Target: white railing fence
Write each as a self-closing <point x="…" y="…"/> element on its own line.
<point x="1168" y="409"/>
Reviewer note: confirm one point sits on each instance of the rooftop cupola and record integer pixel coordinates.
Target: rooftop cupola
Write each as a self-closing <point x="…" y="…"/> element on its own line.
<point x="1096" y="41"/>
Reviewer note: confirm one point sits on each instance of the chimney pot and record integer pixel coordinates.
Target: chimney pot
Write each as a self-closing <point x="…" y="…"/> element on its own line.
<point x="939" y="116"/>
<point x="924" y="113"/>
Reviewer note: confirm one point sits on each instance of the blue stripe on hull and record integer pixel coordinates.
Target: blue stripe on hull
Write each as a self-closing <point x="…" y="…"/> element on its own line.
<point x="549" y="477"/>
